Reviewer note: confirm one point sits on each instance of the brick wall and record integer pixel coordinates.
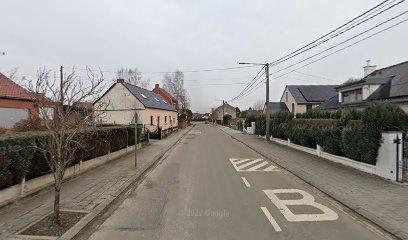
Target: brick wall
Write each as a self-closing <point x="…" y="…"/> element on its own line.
<point x="12" y="103"/>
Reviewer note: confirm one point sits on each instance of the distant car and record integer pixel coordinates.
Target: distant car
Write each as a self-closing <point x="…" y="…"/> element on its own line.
<point x="207" y="122"/>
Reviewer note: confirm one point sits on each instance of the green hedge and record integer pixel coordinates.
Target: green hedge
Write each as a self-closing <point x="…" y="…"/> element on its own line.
<point x="351" y="133"/>
<point x="18" y="158"/>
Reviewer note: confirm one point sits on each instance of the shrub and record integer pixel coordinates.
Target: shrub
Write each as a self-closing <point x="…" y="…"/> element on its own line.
<point x="313" y="122"/>
<point x="385" y="116"/>
<point x="2" y="130"/>
<point x="30" y="124"/>
<point x="302" y="135"/>
<point x="329" y="138"/>
<point x="280" y="131"/>
<point x="281" y="117"/>
<point x="18" y="159"/>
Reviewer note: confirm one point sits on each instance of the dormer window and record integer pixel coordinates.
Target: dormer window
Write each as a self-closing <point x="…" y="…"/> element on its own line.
<point x="351" y="96"/>
<point x="144" y="96"/>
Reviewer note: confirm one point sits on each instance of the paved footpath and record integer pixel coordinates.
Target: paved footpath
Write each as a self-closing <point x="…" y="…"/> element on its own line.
<point x="87" y="191"/>
<point x="380" y="201"/>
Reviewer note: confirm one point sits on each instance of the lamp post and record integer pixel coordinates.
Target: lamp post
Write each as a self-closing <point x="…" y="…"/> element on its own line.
<point x="267" y="115"/>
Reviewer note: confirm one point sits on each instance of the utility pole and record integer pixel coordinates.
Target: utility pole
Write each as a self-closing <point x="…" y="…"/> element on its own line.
<point x="61" y="91"/>
<point x="136" y="140"/>
<point x="267" y="113"/>
<point x="223" y="111"/>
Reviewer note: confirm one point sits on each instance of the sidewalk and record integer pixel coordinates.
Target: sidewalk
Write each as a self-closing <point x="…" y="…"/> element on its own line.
<point x="91" y="191"/>
<point x="380" y="201"/>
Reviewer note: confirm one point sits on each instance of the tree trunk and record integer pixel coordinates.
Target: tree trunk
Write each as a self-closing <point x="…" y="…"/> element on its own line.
<point x="57" y="219"/>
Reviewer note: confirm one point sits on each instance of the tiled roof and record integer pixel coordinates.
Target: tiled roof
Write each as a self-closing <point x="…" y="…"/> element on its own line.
<point x="332" y="103"/>
<point x="277" y="106"/>
<point x="148" y="98"/>
<point x="312" y="93"/>
<point x="10" y="89"/>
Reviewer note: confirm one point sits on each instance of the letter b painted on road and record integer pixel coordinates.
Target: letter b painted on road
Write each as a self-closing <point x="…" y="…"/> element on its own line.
<point x="307" y="199"/>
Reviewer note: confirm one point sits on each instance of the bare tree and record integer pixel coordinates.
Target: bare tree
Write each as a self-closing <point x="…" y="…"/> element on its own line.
<point x="174" y="84"/>
<point x="67" y="123"/>
<point x="132" y="76"/>
<point x="258" y="105"/>
<point x="13" y="74"/>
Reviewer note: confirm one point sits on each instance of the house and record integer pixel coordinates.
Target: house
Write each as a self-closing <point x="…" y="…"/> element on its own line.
<point x="16" y="103"/>
<point x="225" y="109"/>
<point x="388" y="84"/>
<point x="120" y="103"/>
<point x="166" y="95"/>
<point x="275" y="107"/>
<point x="300" y="98"/>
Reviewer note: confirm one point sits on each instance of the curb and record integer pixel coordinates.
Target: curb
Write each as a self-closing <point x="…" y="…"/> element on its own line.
<point x="76" y="230"/>
<point x="361" y="213"/>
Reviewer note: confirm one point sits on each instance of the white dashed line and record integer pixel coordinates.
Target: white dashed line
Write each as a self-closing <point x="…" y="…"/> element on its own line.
<point x="246" y="182"/>
<point x="272" y="220"/>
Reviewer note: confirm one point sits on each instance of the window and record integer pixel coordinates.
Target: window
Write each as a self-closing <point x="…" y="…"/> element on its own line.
<point x="352" y="96"/>
<point x="165" y="102"/>
<point x="157" y="100"/>
<point x="286" y="96"/>
<point x="144" y="96"/>
<point x="309" y="107"/>
<point x="165" y="119"/>
<point x="151" y="120"/>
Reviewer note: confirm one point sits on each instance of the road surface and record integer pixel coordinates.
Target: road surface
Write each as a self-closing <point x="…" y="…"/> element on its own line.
<point x="212" y="187"/>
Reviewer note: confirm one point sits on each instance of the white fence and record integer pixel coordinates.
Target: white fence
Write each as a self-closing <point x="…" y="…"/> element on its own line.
<point x="385" y="167"/>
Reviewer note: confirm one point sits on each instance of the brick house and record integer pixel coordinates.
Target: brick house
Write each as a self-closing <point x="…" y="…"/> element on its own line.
<point x="166" y="95"/>
<point x="16" y="103"/>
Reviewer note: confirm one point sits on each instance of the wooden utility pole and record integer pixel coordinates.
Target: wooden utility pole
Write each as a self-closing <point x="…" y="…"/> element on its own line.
<point x="136" y="140"/>
<point x="267" y="113"/>
<point x="223" y="111"/>
<point x="61" y="90"/>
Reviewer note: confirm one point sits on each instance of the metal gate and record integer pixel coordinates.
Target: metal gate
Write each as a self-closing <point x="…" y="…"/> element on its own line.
<point x="404" y="166"/>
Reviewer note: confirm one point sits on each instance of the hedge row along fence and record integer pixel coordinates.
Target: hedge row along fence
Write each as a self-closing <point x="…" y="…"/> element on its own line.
<point x="350" y="133"/>
<point x="18" y="159"/>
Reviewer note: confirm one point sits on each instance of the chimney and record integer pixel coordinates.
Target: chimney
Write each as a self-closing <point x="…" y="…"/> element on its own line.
<point x="156" y="86"/>
<point x="368" y="69"/>
<point x="120" y="80"/>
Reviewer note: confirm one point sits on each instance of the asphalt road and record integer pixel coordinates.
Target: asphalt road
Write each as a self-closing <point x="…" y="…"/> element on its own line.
<point x="213" y="187"/>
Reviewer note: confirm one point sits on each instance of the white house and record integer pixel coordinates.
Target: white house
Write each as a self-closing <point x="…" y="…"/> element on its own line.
<point x="122" y="100"/>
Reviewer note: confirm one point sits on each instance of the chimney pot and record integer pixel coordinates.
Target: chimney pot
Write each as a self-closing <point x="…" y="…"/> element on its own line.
<point x="120" y="80"/>
<point x="156" y="85"/>
<point x="369" y="68"/>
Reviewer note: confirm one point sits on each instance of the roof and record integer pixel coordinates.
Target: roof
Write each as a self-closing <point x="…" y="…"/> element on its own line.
<point x="10" y="89"/>
<point x="393" y="81"/>
<point x="277" y="106"/>
<point x="311" y="93"/>
<point x="332" y="103"/>
<point x="148" y="98"/>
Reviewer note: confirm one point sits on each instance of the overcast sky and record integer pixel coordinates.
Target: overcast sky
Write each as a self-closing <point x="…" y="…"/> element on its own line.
<point x="165" y="35"/>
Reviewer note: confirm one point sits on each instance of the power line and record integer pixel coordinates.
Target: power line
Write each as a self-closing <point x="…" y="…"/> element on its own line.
<point x="250" y="83"/>
<point x="183" y="71"/>
<point x="345" y="41"/>
<point x="344" y="48"/>
<point x="341" y="49"/>
<point x="322" y="39"/>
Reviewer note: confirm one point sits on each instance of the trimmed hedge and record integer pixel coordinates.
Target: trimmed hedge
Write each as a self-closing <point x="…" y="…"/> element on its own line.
<point x="351" y="133"/>
<point x="18" y="158"/>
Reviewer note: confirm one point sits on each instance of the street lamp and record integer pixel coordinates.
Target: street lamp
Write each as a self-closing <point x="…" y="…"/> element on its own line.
<point x="267" y="115"/>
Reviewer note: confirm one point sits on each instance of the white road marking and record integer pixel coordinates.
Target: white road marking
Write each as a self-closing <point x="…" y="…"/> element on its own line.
<point x="258" y="163"/>
<point x="307" y="199"/>
<point x="272" y="220"/>
<point x="246" y="182"/>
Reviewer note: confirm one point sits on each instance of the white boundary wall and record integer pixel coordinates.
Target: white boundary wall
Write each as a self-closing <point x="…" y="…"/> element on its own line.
<point x="386" y="160"/>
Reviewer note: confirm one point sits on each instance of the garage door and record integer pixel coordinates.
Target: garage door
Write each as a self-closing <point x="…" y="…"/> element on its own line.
<point x="9" y="116"/>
